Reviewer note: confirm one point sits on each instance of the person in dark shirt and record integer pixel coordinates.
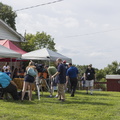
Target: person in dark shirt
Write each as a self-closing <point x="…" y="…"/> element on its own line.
<point x="61" y="78"/>
<point x="90" y="77"/>
<point x="72" y="74"/>
<point x="64" y="63"/>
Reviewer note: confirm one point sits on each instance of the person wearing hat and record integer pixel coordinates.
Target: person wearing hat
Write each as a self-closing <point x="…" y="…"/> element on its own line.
<point x="64" y="63"/>
<point x="89" y="77"/>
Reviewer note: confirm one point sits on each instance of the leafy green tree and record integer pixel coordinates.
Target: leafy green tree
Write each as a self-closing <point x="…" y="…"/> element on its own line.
<point x="8" y="15"/>
<point x="100" y="74"/>
<point x="112" y="68"/>
<point x="38" y="41"/>
<point x="82" y="69"/>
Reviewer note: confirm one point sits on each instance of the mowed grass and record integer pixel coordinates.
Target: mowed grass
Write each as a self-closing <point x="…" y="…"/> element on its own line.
<point x="100" y="106"/>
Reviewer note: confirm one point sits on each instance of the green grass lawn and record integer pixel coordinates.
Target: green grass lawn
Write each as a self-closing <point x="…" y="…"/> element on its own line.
<point x="100" y="106"/>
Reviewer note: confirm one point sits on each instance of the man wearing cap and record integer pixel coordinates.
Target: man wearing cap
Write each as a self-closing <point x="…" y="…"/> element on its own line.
<point x="72" y="74"/>
<point x="89" y="77"/>
<point x="64" y="63"/>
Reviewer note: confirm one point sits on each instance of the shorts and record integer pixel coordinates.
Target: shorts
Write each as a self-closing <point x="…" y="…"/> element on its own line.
<point x="89" y="83"/>
<point x="29" y="78"/>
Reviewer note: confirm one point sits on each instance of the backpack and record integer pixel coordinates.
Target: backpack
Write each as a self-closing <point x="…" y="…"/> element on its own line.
<point x="31" y="72"/>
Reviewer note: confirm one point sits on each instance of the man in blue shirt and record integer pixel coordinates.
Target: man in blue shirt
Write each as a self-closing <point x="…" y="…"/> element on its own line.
<point x="61" y="78"/>
<point x="8" y="85"/>
<point x="72" y="74"/>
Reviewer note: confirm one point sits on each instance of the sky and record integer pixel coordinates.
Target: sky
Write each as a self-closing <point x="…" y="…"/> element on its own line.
<point x="85" y="30"/>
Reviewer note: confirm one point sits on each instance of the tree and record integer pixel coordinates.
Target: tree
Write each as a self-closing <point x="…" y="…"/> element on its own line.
<point x="81" y="69"/>
<point x="38" y="41"/>
<point x="112" y="68"/>
<point x="100" y="74"/>
<point x="8" y="15"/>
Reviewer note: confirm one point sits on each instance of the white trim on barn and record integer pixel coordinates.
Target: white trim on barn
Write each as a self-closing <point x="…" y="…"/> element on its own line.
<point x="6" y="32"/>
<point x="112" y="76"/>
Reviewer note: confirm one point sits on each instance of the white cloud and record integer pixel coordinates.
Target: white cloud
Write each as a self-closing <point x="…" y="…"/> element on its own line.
<point x="91" y="23"/>
<point x="106" y="26"/>
<point x="71" y="22"/>
<point x="97" y="54"/>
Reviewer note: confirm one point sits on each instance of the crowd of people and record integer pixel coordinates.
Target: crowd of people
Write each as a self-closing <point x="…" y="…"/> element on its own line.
<point x="60" y="75"/>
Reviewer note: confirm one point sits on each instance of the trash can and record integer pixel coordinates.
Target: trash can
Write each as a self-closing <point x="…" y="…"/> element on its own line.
<point x="113" y="82"/>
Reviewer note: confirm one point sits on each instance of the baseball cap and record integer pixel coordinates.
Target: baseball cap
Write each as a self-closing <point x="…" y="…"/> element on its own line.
<point x="64" y="61"/>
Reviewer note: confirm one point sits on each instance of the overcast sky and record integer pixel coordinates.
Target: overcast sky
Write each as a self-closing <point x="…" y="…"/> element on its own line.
<point x="85" y="30"/>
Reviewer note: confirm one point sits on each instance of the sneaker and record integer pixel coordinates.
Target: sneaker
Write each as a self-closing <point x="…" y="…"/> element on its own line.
<point x="62" y="100"/>
<point x="50" y="96"/>
<point x="59" y="99"/>
<point x="56" y="96"/>
<point x="72" y="95"/>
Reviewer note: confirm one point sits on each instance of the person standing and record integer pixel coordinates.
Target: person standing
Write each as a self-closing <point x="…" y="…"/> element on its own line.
<point x="61" y="78"/>
<point x="89" y="77"/>
<point x="29" y="80"/>
<point x="72" y="74"/>
<point x="51" y="71"/>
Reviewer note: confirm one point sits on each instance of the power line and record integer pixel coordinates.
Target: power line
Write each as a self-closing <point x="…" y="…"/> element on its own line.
<point x="92" y="33"/>
<point x="39" y="5"/>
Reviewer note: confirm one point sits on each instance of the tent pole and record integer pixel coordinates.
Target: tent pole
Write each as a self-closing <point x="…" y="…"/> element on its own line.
<point x="49" y="62"/>
<point x="14" y="69"/>
<point x="10" y="62"/>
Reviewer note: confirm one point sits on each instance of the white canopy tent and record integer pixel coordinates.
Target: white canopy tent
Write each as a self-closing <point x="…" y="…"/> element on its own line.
<point x="8" y="53"/>
<point x="45" y="54"/>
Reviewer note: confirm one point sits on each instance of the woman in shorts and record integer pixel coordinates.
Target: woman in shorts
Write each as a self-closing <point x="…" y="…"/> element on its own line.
<point x="28" y="81"/>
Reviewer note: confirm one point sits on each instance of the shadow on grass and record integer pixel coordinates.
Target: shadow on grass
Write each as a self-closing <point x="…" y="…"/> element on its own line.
<point x="19" y="101"/>
<point x="75" y="101"/>
<point x="94" y="93"/>
<point x="91" y="103"/>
